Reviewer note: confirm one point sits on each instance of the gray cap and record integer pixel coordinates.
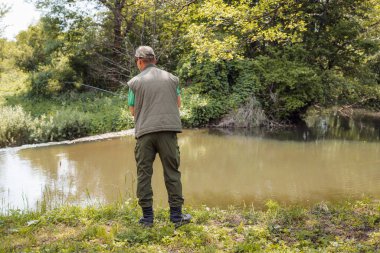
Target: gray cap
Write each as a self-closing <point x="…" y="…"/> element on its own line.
<point x="145" y="52"/>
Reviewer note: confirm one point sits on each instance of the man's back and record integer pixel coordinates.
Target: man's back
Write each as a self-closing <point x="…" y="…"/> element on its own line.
<point x="155" y="105"/>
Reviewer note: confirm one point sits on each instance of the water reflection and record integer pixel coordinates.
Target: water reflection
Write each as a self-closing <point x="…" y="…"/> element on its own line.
<point x="19" y="187"/>
<point x="88" y="171"/>
<point x="332" y="126"/>
<point x="218" y="169"/>
<point x="247" y="169"/>
<point x="358" y="126"/>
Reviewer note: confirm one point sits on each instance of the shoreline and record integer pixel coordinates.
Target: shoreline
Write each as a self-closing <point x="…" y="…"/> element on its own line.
<point x="105" y="136"/>
<point x="345" y="111"/>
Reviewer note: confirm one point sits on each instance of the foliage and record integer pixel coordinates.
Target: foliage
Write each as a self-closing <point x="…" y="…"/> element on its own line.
<point x="285" y="55"/>
<point x="65" y="117"/>
<point x="282" y="87"/>
<point x="4" y="9"/>
<point x="248" y="115"/>
<point x="334" y="36"/>
<point x="41" y="52"/>
<point x="222" y="30"/>
<point x="16" y="126"/>
<point x="64" y="125"/>
<point x="201" y="110"/>
<point x="108" y="35"/>
<point x="287" y="87"/>
<point x="345" y="227"/>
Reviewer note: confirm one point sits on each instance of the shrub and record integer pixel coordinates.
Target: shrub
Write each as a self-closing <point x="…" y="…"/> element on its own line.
<point x="16" y="126"/>
<point x="287" y="87"/>
<point x="211" y="78"/>
<point x="249" y="115"/>
<point x="283" y="87"/>
<point x="52" y="79"/>
<point x="65" y="125"/>
<point x="199" y="110"/>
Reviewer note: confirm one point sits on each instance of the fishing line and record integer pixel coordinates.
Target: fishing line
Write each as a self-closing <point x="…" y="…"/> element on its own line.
<point x="100" y="89"/>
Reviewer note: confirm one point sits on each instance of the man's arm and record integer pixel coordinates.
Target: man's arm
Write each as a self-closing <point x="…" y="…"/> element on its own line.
<point x="131" y="102"/>
<point x="178" y="90"/>
<point x="132" y="110"/>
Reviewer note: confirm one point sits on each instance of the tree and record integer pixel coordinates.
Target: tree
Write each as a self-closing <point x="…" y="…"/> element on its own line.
<point x="226" y="30"/>
<point x="3" y="11"/>
<point x="333" y="37"/>
<point x="43" y="53"/>
<point x="121" y="26"/>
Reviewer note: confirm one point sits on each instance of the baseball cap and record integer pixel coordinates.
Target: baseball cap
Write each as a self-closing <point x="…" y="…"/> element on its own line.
<point x="145" y="52"/>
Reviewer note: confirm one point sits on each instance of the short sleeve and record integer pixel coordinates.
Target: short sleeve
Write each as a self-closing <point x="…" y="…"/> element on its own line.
<point x="131" y="98"/>
<point x="176" y="81"/>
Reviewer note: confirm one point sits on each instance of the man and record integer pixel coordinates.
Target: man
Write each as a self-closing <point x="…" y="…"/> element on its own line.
<point x="154" y="101"/>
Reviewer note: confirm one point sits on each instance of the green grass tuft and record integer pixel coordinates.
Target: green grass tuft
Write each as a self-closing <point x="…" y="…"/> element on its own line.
<point x="345" y="227"/>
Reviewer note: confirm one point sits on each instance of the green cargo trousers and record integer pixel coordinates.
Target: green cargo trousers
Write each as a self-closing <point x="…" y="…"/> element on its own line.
<point x="166" y="145"/>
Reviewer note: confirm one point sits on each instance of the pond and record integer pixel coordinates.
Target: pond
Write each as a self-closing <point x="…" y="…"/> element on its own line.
<point x="329" y="161"/>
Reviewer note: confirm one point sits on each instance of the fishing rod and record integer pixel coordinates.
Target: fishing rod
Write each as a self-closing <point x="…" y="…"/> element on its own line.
<point x="96" y="88"/>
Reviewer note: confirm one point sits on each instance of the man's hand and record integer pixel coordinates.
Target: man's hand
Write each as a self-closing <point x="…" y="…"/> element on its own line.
<point x="132" y="110"/>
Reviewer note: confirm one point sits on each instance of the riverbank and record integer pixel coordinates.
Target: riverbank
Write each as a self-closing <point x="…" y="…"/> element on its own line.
<point x="345" y="227"/>
<point x="69" y="116"/>
<point x="99" y="137"/>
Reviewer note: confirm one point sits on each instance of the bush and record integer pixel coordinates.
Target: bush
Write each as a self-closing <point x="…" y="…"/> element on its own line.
<point x="206" y="78"/>
<point x="109" y="115"/>
<point x="200" y="110"/>
<point x="284" y="88"/>
<point x="16" y="126"/>
<point x="287" y="87"/>
<point x="52" y="79"/>
<point x="343" y="90"/>
<point x="65" y="125"/>
<point x="68" y="116"/>
<point x="211" y="92"/>
<point x="248" y="115"/>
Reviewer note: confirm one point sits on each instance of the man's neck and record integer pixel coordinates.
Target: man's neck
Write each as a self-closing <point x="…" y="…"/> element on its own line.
<point x="148" y="66"/>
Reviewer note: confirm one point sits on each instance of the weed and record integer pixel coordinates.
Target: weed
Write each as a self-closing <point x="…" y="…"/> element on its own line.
<point x="344" y="227"/>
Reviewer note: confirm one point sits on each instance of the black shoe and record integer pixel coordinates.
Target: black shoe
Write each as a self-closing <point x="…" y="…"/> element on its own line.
<point x="147" y="219"/>
<point x="178" y="218"/>
<point x="146" y="222"/>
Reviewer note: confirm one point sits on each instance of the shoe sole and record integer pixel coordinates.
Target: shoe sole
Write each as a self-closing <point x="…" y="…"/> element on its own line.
<point x="181" y="223"/>
<point x="146" y="225"/>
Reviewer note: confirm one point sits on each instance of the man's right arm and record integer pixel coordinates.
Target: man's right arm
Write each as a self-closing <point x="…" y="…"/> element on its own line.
<point x="178" y="90"/>
<point x="132" y="110"/>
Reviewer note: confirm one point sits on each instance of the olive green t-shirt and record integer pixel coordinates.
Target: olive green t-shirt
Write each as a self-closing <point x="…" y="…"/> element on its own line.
<point x="131" y="96"/>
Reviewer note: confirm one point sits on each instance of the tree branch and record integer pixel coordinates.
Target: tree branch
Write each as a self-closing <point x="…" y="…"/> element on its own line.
<point x="107" y="4"/>
<point x="186" y="5"/>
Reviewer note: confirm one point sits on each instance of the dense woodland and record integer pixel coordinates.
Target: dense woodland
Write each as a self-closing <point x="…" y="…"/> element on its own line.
<point x="253" y="59"/>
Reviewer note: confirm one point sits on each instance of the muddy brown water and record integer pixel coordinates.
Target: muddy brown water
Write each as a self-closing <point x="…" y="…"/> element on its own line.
<point x="218" y="169"/>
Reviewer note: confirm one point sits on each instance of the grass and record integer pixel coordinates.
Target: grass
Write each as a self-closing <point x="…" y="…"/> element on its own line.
<point x="102" y="112"/>
<point x="58" y="117"/>
<point x="345" y="227"/>
<point x="65" y="117"/>
<point x="106" y="111"/>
